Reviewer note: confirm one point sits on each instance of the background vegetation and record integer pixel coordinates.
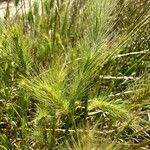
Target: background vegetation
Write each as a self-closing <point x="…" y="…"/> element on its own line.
<point x="75" y="74"/>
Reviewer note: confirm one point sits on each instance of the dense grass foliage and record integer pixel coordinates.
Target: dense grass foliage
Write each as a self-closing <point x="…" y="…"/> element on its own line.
<point x="75" y="74"/>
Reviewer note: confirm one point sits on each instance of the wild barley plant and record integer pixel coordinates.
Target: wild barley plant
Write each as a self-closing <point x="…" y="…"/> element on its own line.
<point x="65" y="88"/>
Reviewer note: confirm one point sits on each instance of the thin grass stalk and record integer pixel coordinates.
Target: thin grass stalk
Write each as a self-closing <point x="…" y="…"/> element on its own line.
<point x="70" y="120"/>
<point x="42" y="7"/>
<point x="132" y="53"/>
<point x="53" y="131"/>
<point x="118" y="78"/>
<point x="85" y="113"/>
<point x="22" y="9"/>
<point x="55" y="29"/>
<point x="7" y="15"/>
<point x="24" y="4"/>
<point x="82" y="131"/>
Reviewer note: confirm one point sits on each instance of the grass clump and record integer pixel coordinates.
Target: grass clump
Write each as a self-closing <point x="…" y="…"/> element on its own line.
<point x="71" y="77"/>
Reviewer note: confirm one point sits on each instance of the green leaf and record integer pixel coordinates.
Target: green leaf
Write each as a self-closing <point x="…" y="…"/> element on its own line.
<point x="5" y="144"/>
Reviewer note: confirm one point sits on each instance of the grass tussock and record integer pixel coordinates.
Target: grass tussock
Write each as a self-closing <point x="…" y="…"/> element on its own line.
<point x="75" y="75"/>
